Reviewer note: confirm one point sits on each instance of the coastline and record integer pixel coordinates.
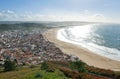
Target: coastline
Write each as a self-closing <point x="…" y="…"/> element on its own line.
<point x="84" y="54"/>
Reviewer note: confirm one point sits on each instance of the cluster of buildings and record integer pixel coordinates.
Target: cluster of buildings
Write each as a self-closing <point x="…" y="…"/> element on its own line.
<point x="28" y="48"/>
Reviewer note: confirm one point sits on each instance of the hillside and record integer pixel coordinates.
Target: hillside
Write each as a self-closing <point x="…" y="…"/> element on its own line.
<point x="59" y="70"/>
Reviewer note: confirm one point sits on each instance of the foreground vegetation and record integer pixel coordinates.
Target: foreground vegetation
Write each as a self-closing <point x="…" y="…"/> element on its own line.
<point x="32" y="72"/>
<point x="59" y="70"/>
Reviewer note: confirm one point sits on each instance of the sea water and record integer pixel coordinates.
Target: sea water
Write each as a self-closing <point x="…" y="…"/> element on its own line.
<point x="102" y="39"/>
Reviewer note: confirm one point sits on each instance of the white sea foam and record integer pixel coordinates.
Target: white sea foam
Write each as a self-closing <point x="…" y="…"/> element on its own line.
<point x="111" y="53"/>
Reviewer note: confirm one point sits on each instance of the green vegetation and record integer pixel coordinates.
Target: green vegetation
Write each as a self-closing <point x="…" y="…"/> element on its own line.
<point x="9" y="65"/>
<point x="44" y="66"/>
<point x="117" y="74"/>
<point x="23" y="26"/>
<point x="78" y="65"/>
<point x="80" y="70"/>
<point x="59" y="70"/>
<point x="47" y="67"/>
<point x="35" y="72"/>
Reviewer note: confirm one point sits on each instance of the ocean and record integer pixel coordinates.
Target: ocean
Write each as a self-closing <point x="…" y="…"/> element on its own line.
<point x="102" y="39"/>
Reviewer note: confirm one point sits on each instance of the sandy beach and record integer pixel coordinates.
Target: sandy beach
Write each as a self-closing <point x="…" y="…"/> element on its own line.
<point x="85" y="55"/>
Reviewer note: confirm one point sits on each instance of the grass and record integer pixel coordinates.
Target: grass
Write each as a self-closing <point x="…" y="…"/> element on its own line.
<point x="60" y="70"/>
<point x="30" y="73"/>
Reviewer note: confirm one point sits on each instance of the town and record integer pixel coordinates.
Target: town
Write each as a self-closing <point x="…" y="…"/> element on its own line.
<point x="29" y="48"/>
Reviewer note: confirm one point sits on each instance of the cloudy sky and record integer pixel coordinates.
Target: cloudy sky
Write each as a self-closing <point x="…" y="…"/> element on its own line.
<point x="60" y="10"/>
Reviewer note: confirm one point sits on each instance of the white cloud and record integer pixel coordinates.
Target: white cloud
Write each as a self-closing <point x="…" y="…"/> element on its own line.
<point x="98" y="17"/>
<point x="7" y="15"/>
<point x="58" y="16"/>
<point x="8" y="12"/>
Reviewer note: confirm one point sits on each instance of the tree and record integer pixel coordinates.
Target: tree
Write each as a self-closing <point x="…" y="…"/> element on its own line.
<point x="44" y="66"/>
<point x="9" y="65"/>
<point x="79" y="65"/>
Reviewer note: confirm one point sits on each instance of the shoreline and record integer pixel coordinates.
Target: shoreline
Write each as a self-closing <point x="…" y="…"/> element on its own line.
<point x="84" y="54"/>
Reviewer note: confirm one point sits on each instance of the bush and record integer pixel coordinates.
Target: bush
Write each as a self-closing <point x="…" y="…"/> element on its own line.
<point x="44" y="66"/>
<point x="38" y="76"/>
<point x="98" y="71"/>
<point x="9" y="65"/>
<point x="32" y="66"/>
<point x="70" y="73"/>
<point x="50" y="69"/>
<point x="78" y="65"/>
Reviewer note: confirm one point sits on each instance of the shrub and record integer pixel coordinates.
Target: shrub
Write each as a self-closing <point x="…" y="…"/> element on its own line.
<point x="32" y="66"/>
<point x="44" y="66"/>
<point x="99" y="71"/>
<point x="38" y="76"/>
<point x="9" y="65"/>
<point x="50" y="69"/>
<point x="70" y="73"/>
<point x="78" y="65"/>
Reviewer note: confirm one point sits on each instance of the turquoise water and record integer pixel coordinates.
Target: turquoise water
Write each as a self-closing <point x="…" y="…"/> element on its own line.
<point x="103" y="39"/>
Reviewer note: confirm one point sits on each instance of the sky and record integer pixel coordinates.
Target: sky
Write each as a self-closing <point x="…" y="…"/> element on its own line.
<point x="60" y="10"/>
